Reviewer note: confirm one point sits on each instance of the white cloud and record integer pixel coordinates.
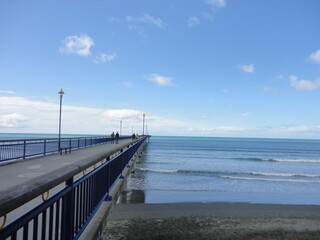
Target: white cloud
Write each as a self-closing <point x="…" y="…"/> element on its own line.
<point x="193" y="21"/>
<point x="41" y="117"/>
<point x="128" y="84"/>
<point x="113" y="20"/>
<point x="146" y="19"/>
<point x="245" y="114"/>
<point x="139" y="29"/>
<point x="304" y="84"/>
<point x="270" y="89"/>
<point x="246" y="68"/>
<point x="18" y="114"/>
<point x="160" y="80"/>
<point x="299" y="128"/>
<point x="103" y="58"/>
<point x="123" y="114"/>
<point x="13" y="120"/>
<point x="279" y="77"/>
<point x="79" y="45"/>
<point x="315" y="57"/>
<point x="7" y="92"/>
<point x="217" y="3"/>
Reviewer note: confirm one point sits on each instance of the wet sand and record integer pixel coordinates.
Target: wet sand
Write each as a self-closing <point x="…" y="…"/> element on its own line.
<point x="213" y="221"/>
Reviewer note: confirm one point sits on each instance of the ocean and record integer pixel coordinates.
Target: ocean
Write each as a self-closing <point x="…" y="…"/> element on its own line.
<point x="251" y="170"/>
<point x="199" y="169"/>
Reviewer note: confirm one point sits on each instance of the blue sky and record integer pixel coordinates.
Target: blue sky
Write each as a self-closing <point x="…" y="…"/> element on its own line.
<point x="239" y="68"/>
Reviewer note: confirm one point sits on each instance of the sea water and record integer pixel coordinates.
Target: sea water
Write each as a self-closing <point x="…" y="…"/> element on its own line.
<point x="195" y="169"/>
<point x="198" y="169"/>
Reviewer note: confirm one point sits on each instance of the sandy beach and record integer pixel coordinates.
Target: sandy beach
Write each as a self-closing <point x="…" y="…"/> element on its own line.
<point x="213" y="221"/>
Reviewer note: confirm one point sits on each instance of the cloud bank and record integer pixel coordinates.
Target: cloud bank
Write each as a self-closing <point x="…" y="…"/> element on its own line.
<point x="22" y="115"/>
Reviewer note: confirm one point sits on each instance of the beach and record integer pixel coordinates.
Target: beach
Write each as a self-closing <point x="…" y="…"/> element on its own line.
<point x="213" y="221"/>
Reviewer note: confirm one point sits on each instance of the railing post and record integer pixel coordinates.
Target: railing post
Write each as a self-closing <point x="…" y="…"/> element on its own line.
<point x="108" y="198"/>
<point x="121" y="156"/>
<point x="67" y="228"/>
<point x="24" y="149"/>
<point x="78" y="143"/>
<point x="44" y="146"/>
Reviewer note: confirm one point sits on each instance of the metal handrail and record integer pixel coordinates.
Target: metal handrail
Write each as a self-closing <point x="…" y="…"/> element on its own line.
<point x="23" y="148"/>
<point x="37" y="139"/>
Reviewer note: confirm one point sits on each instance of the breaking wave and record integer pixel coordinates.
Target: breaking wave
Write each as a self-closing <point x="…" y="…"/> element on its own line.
<point x="284" y="160"/>
<point x="223" y="173"/>
<point x="272" y="179"/>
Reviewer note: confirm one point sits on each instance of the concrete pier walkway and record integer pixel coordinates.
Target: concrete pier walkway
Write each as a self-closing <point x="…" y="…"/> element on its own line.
<point x="22" y="181"/>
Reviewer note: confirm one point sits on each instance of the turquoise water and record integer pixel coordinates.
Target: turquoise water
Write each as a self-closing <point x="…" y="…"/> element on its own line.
<point x="195" y="169"/>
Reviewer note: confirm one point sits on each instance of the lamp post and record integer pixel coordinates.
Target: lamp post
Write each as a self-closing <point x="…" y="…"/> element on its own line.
<point x="144" y="115"/>
<point x="61" y="92"/>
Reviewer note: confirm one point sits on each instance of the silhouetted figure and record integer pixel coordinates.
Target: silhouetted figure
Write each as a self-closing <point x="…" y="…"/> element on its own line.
<point x="133" y="136"/>
<point x="117" y="137"/>
<point x="112" y="137"/>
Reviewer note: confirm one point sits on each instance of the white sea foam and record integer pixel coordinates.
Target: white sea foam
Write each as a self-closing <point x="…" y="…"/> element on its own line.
<point x="219" y="173"/>
<point x="289" y="160"/>
<point x="271" y="179"/>
<point x="157" y="170"/>
<point x="283" y="174"/>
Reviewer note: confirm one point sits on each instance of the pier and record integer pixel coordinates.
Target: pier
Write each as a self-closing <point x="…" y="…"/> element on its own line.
<point x="49" y="195"/>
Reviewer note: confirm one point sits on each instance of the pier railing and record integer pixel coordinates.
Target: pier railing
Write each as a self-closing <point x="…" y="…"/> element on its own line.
<point x="66" y="214"/>
<point x="24" y="148"/>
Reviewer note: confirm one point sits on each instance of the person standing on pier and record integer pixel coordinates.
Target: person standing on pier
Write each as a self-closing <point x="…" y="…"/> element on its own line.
<point x="117" y="137"/>
<point x="112" y="137"/>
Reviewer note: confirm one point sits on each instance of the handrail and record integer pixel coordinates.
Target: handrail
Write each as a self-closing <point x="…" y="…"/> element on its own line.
<point x="36" y="139"/>
<point x="13" y="149"/>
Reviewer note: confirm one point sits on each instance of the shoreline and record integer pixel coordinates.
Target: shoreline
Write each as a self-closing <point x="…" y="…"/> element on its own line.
<point x="213" y="221"/>
<point x="221" y="209"/>
<point x="129" y="195"/>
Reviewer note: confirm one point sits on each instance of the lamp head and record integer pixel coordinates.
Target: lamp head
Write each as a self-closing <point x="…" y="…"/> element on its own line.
<point x="61" y="92"/>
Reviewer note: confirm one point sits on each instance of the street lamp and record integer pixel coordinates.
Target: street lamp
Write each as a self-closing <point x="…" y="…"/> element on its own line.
<point x="61" y="92"/>
<point x="144" y="115"/>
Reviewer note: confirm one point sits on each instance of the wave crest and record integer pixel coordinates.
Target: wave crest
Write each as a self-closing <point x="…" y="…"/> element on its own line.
<point x="284" y="160"/>
<point x="272" y="179"/>
<point x="224" y="173"/>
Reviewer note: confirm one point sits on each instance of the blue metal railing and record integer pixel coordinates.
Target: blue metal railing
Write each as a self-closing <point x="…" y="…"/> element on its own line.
<point x="24" y="148"/>
<point x="65" y="215"/>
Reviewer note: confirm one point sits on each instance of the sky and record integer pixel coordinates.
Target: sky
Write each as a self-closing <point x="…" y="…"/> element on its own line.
<point x="219" y="68"/>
